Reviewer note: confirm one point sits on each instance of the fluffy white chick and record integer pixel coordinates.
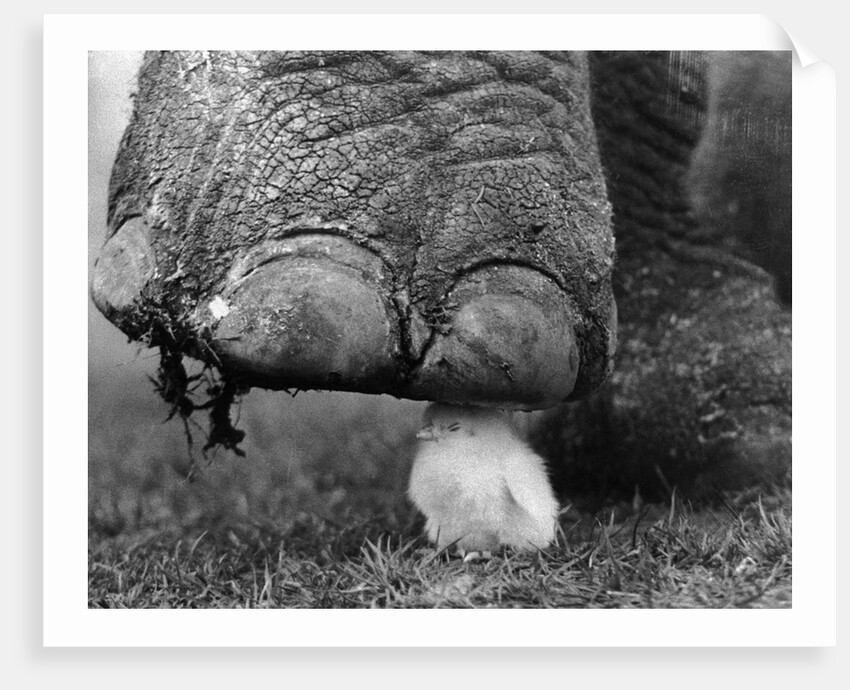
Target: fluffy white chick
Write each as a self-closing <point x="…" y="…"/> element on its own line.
<point x="478" y="484"/>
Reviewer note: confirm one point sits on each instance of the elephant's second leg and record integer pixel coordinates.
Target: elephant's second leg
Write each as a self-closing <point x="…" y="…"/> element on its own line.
<point x="478" y="485"/>
<point x="701" y="394"/>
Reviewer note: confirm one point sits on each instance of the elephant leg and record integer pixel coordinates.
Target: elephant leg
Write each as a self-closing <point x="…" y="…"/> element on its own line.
<point x="700" y="399"/>
<point x="740" y="173"/>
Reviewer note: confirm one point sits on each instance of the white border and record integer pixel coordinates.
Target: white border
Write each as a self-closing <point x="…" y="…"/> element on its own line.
<point x="67" y="620"/>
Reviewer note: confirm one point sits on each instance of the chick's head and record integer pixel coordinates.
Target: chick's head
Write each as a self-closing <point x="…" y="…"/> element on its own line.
<point x="446" y="421"/>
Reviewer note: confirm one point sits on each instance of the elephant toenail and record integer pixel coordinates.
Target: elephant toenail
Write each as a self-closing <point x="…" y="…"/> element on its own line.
<point x="509" y="343"/>
<point x="300" y="319"/>
<point x="125" y="267"/>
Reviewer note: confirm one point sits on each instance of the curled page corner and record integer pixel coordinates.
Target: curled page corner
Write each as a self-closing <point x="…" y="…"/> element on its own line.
<point x="803" y="54"/>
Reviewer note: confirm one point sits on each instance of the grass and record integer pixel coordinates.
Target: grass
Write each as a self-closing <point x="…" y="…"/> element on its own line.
<point x="313" y="519"/>
<point x="657" y="557"/>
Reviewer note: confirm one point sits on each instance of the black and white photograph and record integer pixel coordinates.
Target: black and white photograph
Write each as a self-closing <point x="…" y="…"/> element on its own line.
<point x="577" y="264"/>
<point x="441" y="328"/>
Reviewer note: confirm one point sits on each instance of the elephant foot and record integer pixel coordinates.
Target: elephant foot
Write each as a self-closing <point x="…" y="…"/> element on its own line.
<point x="478" y="485"/>
<point x="700" y="401"/>
<point x="318" y="311"/>
<point x="426" y="225"/>
<point x="717" y="382"/>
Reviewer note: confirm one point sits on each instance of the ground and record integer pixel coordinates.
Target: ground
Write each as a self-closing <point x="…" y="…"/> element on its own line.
<point x="317" y="517"/>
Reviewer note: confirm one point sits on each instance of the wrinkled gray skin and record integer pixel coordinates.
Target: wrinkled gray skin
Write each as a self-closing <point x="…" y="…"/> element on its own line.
<point x="697" y="153"/>
<point x="431" y="225"/>
<point x="439" y="226"/>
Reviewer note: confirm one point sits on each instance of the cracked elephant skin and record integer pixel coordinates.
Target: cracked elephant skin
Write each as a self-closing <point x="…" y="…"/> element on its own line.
<point x="428" y="225"/>
<point x="441" y="226"/>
